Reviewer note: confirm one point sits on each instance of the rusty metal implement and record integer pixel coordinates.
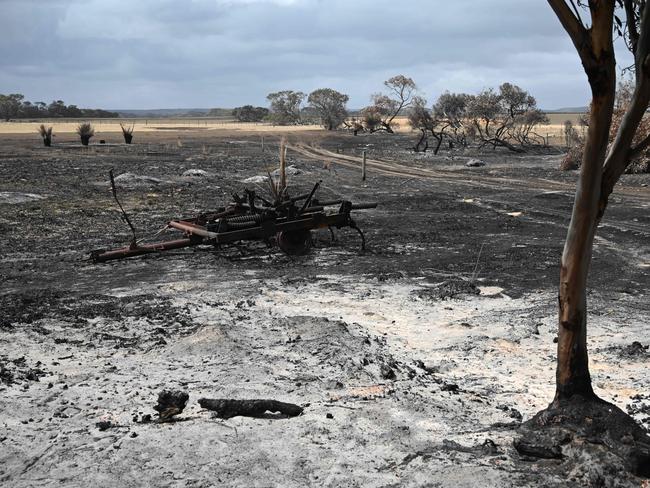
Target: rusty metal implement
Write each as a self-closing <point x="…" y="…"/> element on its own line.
<point x="287" y="223"/>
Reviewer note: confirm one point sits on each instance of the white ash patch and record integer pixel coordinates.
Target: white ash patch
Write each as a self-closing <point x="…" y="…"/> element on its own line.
<point x="132" y="180"/>
<point x="14" y="198"/>
<point x="195" y="173"/>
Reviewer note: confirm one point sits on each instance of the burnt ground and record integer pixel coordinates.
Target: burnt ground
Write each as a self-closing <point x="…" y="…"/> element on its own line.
<point x="415" y="361"/>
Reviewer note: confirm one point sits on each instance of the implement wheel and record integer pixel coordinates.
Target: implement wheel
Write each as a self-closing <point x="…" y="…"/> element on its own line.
<point x="295" y="242"/>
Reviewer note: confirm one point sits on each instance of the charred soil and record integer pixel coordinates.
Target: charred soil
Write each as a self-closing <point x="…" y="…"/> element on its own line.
<point x="413" y="363"/>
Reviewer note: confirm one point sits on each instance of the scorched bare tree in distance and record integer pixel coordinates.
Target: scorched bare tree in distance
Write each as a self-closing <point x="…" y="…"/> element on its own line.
<point x="381" y="114"/>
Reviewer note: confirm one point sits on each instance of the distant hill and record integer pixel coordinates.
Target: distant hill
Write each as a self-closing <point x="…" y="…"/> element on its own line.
<point x="568" y="110"/>
<point x="226" y="112"/>
<point x="163" y="112"/>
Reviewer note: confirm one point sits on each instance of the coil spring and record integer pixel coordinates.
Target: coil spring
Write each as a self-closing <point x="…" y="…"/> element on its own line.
<point x="245" y="219"/>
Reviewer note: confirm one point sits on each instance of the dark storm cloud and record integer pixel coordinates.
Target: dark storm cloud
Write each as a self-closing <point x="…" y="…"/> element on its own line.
<point x="170" y="53"/>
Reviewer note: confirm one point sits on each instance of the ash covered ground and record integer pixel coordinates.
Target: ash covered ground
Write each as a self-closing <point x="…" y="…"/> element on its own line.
<point x="415" y="360"/>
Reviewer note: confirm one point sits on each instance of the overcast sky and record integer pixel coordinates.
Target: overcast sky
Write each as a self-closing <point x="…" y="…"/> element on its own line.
<point x="119" y="54"/>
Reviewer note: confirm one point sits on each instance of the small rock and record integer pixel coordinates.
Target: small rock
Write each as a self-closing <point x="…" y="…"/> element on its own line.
<point x="635" y="349"/>
<point x="195" y="173"/>
<point x="387" y="372"/>
<point x="290" y="170"/>
<point x="489" y="447"/>
<point x="333" y="385"/>
<point x="103" y="425"/>
<point x="329" y="416"/>
<point x="256" y="179"/>
<point x="516" y="414"/>
<point x="131" y="179"/>
<point x="474" y="163"/>
<point x="452" y="387"/>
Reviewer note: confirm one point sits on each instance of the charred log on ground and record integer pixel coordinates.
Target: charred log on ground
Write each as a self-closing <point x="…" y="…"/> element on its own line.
<point x="228" y="408"/>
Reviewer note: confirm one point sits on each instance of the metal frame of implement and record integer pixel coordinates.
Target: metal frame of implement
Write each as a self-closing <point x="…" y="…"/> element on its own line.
<point x="243" y="220"/>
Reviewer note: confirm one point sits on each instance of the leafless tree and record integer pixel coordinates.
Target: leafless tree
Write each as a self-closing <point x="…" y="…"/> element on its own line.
<point x="434" y="123"/>
<point x="420" y="119"/>
<point x="450" y="112"/>
<point x="385" y="107"/>
<point x="505" y="118"/>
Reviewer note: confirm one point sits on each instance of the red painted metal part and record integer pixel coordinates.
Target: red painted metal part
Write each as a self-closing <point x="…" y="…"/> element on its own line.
<point x="102" y="256"/>
<point x="192" y="229"/>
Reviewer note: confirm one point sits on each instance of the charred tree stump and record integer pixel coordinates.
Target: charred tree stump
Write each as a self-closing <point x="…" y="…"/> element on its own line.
<point x="423" y="143"/>
<point x="170" y="404"/>
<point x="584" y="431"/>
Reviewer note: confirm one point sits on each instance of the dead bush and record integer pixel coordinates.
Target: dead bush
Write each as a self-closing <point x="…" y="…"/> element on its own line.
<point x="639" y="163"/>
<point x="127" y="132"/>
<point x="46" y="134"/>
<point x="85" y="131"/>
<point x="573" y="158"/>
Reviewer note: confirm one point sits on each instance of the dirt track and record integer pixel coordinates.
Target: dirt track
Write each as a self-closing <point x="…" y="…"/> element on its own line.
<point x="425" y="380"/>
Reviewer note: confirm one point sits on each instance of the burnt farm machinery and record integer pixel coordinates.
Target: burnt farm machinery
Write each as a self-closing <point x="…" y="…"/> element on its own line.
<point x="286" y="222"/>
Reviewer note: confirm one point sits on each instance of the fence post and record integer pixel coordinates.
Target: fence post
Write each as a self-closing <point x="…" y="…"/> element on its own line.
<point x="363" y="167"/>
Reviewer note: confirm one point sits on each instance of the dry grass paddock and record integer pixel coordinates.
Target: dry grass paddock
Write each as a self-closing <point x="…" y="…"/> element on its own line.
<point x="553" y="132"/>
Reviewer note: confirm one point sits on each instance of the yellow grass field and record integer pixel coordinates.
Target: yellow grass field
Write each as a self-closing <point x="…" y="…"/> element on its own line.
<point x="64" y="126"/>
<point x="554" y="131"/>
<point x="560" y="118"/>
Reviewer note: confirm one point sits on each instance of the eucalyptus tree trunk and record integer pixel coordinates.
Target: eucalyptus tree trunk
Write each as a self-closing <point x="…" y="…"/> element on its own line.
<point x="573" y="363"/>
<point x="599" y="173"/>
<point x="595" y="48"/>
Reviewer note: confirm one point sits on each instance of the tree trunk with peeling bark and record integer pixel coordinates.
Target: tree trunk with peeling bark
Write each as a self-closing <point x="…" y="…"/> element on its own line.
<point x="576" y="413"/>
<point x="599" y="172"/>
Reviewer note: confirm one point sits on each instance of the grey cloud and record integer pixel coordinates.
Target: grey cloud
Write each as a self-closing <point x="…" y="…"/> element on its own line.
<point x="167" y="53"/>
